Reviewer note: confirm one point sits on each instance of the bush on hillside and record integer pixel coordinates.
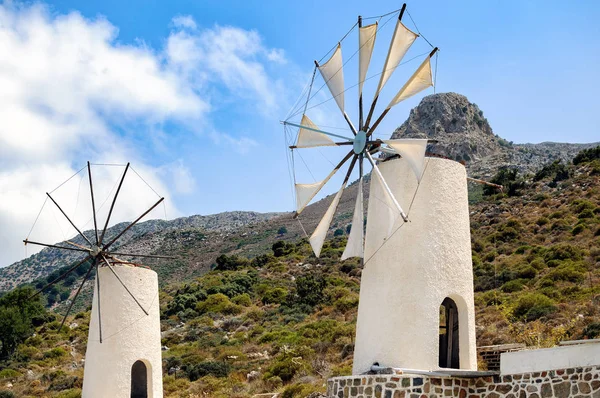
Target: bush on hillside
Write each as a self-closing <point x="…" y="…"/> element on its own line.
<point x="533" y="306"/>
<point x="509" y="180"/>
<point x="587" y="155"/>
<point x="282" y="248"/>
<point x="230" y="263"/>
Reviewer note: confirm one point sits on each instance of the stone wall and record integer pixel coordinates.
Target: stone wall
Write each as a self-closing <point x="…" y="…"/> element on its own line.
<point x="562" y="383"/>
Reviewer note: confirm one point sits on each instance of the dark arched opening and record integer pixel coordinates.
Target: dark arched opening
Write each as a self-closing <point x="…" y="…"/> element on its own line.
<point x="449" y="356"/>
<point x="139" y="380"/>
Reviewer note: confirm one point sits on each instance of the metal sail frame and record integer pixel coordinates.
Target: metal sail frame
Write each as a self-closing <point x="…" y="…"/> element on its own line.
<point x="98" y="252"/>
<point x="363" y="145"/>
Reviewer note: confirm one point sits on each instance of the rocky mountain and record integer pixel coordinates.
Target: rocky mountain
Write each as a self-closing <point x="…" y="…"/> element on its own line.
<point x="464" y="134"/>
<point x="140" y="239"/>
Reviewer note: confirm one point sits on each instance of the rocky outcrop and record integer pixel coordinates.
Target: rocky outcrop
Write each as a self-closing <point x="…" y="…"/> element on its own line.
<point x="464" y="134"/>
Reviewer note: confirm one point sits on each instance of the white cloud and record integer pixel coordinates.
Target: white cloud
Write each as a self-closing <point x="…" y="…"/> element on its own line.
<point x="70" y="91"/>
<point x="184" y="21"/>
<point x="229" y="55"/>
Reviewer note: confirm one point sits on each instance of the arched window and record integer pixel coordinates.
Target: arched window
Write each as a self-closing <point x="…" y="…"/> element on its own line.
<point x="139" y="380"/>
<point x="448" y="356"/>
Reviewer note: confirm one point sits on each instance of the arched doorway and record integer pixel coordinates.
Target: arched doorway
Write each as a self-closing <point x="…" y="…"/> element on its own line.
<point x="139" y="380"/>
<point x="449" y="355"/>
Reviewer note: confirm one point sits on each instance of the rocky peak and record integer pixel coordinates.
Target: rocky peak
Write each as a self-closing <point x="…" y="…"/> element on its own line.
<point x="464" y="134"/>
<point x="460" y="128"/>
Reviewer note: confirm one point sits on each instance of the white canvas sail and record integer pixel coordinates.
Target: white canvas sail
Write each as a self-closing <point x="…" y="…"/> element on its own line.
<point x="318" y="237"/>
<point x="418" y="82"/>
<point x="308" y="138"/>
<point x="333" y="74"/>
<point x="366" y="42"/>
<point x="356" y="246"/>
<point x="413" y="150"/>
<point x="305" y="193"/>
<point x="402" y="39"/>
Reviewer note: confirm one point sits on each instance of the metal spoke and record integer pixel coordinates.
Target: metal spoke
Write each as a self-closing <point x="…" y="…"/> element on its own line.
<point x="67" y="217"/>
<point x="27" y="241"/>
<point x="132" y="224"/>
<point x="61" y="276"/>
<point x="93" y="202"/>
<point x="350" y="123"/>
<point x="87" y="275"/>
<point x="113" y="205"/>
<point x="386" y="187"/>
<point x="318" y="131"/>
<point x="123" y="284"/>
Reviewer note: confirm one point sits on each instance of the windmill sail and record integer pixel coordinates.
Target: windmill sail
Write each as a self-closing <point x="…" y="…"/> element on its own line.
<point x="402" y="39"/>
<point x="333" y="74"/>
<point x="413" y="150"/>
<point x="308" y="138"/>
<point x="366" y="42"/>
<point x="318" y="237"/>
<point x="355" y="246"/>
<point x="418" y="82"/>
<point x="305" y="193"/>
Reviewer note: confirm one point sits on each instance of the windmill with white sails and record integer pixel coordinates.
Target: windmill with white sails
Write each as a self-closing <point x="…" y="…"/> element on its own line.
<point x="416" y="248"/>
<point x="123" y="356"/>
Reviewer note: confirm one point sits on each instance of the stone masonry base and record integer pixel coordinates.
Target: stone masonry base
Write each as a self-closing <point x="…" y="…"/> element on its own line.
<point x="562" y="383"/>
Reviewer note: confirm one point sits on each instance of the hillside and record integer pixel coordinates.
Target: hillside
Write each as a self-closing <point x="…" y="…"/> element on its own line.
<point x="272" y="317"/>
<point x="284" y="321"/>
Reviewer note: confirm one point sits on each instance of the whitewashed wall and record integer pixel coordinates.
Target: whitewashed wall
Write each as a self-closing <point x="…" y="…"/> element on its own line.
<point x="128" y="335"/>
<point x="405" y="280"/>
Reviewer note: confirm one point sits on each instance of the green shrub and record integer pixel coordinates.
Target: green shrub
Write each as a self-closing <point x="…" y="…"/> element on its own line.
<point x="56" y="352"/>
<point x="219" y="304"/>
<point x="310" y="288"/>
<point x="7" y="394"/>
<point x="592" y="331"/>
<point x="526" y="272"/>
<point x="217" y="369"/>
<point x="533" y="306"/>
<point x="578" y="229"/>
<point x="230" y="263"/>
<point x="570" y="272"/>
<point x="72" y="393"/>
<point x="542" y="221"/>
<point x="284" y="368"/>
<point x="274" y="296"/>
<point x="563" y="251"/>
<point x="9" y="373"/>
<point x="587" y="155"/>
<point x="512" y="286"/>
<point x="243" y="300"/>
<point x="282" y="248"/>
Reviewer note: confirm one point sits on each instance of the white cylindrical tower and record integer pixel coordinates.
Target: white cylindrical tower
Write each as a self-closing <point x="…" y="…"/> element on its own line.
<point x="416" y="305"/>
<point x="128" y="361"/>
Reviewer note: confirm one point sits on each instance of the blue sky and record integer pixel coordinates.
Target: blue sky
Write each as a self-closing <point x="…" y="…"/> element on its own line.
<point x="192" y="91"/>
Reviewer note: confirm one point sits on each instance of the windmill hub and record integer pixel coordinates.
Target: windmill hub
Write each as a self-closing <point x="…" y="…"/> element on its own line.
<point x="360" y="140"/>
<point x="95" y="250"/>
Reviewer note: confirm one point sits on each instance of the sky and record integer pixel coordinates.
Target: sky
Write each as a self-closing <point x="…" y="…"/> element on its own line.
<point x="192" y="94"/>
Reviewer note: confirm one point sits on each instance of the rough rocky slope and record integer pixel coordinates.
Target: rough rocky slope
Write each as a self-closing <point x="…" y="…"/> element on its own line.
<point x="140" y="239"/>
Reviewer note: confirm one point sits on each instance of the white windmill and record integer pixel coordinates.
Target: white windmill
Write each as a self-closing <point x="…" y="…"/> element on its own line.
<point x="123" y="356"/>
<point x="416" y="249"/>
